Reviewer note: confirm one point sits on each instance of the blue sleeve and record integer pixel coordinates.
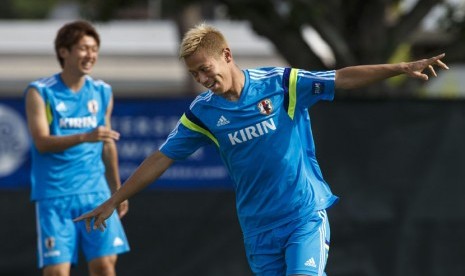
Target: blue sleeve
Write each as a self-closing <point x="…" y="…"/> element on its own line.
<point x="305" y="88"/>
<point x="314" y="86"/>
<point x="182" y="142"/>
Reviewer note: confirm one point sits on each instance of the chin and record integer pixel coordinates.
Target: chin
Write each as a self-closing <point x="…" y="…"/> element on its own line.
<point x="217" y="91"/>
<point x="86" y="72"/>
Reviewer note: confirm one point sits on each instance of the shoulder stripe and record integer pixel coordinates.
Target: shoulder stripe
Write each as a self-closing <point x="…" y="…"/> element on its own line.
<point x="200" y="98"/>
<point x="97" y="82"/>
<point x="45" y="82"/>
<point x="292" y="92"/>
<point x="257" y="74"/>
<point x="100" y="83"/>
<point x="190" y="121"/>
<point x="290" y="85"/>
<point x="171" y="135"/>
<point x="195" y="120"/>
<point x="175" y="130"/>
<point x="327" y="75"/>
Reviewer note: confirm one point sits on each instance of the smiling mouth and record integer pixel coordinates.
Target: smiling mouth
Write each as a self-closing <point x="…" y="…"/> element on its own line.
<point x="210" y="85"/>
<point x="87" y="66"/>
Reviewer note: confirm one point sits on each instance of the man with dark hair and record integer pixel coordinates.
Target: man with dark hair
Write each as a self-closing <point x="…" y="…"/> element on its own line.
<point x="74" y="157"/>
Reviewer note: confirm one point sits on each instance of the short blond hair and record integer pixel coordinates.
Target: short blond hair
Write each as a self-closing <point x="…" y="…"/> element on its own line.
<point x="205" y="37"/>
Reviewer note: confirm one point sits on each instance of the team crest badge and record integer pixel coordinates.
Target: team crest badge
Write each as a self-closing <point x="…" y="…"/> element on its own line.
<point x="50" y="242"/>
<point x="265" y="107"/>
<point x="92" y="106"/>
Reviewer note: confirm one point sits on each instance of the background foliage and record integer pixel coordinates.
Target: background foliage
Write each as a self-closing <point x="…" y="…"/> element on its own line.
<point x="357" y="31"/>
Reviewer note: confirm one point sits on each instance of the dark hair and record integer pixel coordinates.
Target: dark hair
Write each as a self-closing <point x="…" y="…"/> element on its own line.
<point x="71" y="33"/>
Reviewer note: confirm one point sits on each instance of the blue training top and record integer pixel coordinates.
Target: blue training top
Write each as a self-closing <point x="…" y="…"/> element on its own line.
<point x="78" y="169"/>
<point x="266" y="143"/>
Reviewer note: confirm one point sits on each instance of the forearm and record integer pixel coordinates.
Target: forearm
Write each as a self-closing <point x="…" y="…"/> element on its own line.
<point x="359" y="76"/>
<point x="110" y="160"/>
<point x="148" y="172"/>
<point x="51" y="143"/>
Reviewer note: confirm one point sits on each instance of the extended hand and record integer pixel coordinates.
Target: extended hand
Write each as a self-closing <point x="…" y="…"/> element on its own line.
<point x="415" y="68"/>
<point x="98" y="216"/>
<point x="123" y="208"/>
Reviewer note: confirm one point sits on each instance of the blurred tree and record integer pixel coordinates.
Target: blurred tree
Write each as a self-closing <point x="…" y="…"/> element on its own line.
<point x="357" y="31"/>
<point x="107" y="10"/>
<point x="26" y="9"/>
<point x="453" y="23"/>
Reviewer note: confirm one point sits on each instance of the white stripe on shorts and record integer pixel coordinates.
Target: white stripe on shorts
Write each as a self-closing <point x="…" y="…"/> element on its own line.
<point x="322" y="229"/>
<point x="39" y="236"/>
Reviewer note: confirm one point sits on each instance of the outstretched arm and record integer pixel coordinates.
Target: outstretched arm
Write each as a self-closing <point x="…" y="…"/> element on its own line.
<point x="149" y="171"/>
<point x="110" y="160"/>
<point x="359" y="76"/>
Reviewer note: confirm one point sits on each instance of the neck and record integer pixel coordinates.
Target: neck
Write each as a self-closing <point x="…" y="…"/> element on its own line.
<point x="238" y="81"/>
<point x="73" y="81"/>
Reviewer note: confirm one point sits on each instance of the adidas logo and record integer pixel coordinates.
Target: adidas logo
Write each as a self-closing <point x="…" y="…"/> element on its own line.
<point x="61" y="107"/>
<point x="310" y="262"/>
<point x="118" y="242"/>
<point x="222" y="121"/>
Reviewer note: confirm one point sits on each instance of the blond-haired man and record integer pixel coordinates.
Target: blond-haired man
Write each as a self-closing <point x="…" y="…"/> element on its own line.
<point x="258" y="120"/>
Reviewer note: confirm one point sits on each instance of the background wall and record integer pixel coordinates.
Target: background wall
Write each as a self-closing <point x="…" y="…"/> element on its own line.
<point x="397" y="166"/>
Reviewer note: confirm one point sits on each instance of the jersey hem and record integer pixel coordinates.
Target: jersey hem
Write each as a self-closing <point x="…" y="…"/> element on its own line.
<point x="248" y="234"/>
<point x="39" y="198"/>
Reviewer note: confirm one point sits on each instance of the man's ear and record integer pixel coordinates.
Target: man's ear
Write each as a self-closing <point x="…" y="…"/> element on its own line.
<point x="63" y="52"/>
<point x="227" y="55"/>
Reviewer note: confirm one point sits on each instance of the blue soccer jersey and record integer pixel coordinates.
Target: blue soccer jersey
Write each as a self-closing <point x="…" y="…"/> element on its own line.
<point x="265" y="142"/>
<point x="79" y="169"/>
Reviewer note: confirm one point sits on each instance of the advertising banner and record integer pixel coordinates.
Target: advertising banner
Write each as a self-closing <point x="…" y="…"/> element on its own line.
<point x="143" y="124"/>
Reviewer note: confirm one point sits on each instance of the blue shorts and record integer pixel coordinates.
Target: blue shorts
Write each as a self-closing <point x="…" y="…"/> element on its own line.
<point x="298" y="247"/>
<point x="59" y="238"/>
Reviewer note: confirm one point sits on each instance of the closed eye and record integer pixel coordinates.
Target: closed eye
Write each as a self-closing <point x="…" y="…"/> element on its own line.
<point x="205" y="69"/>
<point x="193" y="74"/>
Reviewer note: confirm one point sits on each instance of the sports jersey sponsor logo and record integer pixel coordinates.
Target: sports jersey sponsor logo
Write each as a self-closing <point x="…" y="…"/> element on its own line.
<point x="222" y="121"/>
<point x="318" y="87"/>
<point x="310" y="262"/>
<point x="79" y="122"/>
<point x="50" y="244"/>
<point x="265" y="107"/>
<point x="92" y="106"/>
<point x="118" y="242"/>
<point x="251" y="132"/>
<point x="53" y="253"/>
<point x="61" y="107"/>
